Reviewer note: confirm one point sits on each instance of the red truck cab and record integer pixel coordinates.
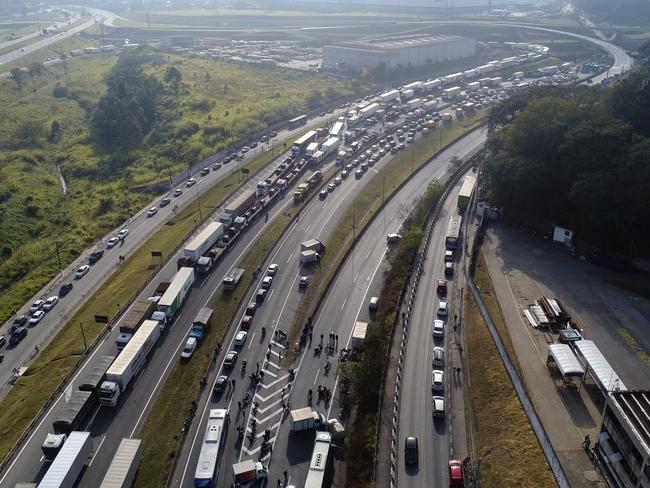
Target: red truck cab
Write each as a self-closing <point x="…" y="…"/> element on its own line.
<point x="441" y="287"/>
<point x="456" y="474"/>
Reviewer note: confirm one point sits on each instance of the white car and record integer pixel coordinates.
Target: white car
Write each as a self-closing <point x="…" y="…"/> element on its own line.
<point x="50" y="303"/>
<point x="36" y="317"/>
<point x="122" y="234"/>
<point x="438" y="356"/>
<point x="240" y="338"/>
<point x="437" y="380"/>
<point x="266" y="282"/>
<point x="152" y="211"/>
<point x="438" y="406"/>
<point x="273" y="268"/>
<point x="81" y="271"/>
<point x="189" y="348"/>
<point x="191" y="182"/>
<point x="442" y="309"/>
<point x="36" y="306"/>
<point x="438" y="328"/>
<point x="112" y="242"/>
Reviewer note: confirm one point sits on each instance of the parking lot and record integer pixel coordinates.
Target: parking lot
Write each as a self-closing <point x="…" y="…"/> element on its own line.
<point x="524" y="268"/>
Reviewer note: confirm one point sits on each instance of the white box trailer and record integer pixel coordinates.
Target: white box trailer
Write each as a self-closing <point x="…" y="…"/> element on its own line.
<point x="337" y="129"/>
<point x="180" y="286"/>
<point x="366" y="112"/>
<point x="207" y="238"/>
<point x="413" y="104"/>
<point x="470" y="73"/>
<point x="406" y="95"/>
<point x="431" y="85"/>
<point x="486" y="68"/>
<point x="305" y="419"/>
<point x="485" y="81"/>
<point x="430" y="106"/>
<point x="129" y="363"/>
<point x="330" y="145"/>
<point x="518" y="75"/>
<point x="451" y="92"/>
<point x="475" y="85"/>
<point x="69" y="463"/>
<point x="452" y="78"/>
<point x="354" y="120"/>
<point x="126" y="461"/>
<point x="389" y="96"/>
<point x="415" y="86"/>
<point x="311" y="149"/>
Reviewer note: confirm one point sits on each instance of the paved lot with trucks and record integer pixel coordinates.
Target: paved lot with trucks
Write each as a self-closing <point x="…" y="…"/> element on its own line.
<point x="522" y="269"/>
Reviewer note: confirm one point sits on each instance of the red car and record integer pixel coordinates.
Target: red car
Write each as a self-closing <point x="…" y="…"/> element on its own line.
<point x="246" y="322"/>
<point x="441" y="289"/>
<point x="456" y="474"/>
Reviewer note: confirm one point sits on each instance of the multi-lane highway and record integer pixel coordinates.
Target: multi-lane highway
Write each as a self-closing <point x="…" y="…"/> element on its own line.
<point x="129" y="415"/>
<point x="416" y="411"/>
<point x="140" y="229"/>
<point x="347" y="300"/>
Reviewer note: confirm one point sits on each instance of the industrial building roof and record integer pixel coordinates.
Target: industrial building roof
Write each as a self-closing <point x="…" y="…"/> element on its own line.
<point x="603" y="373"/>
<point x="399" y="42"/>
<point x="635" y="405"/>
<point x="565" y="360"/>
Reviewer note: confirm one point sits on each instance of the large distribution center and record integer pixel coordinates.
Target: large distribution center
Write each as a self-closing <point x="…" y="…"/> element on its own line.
<point x="396" y="52"/>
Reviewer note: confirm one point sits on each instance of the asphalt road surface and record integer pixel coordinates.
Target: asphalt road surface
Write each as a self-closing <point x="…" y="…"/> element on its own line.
<point x="140" y="229"/>
<point x="416" y="413"/>
<point x="347" y="300"/>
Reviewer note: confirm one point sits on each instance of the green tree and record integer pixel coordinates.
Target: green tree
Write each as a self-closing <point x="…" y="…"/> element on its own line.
<point x="35" y="69"/>
<point x="331" y="93"/>
<point x="314" y="99"/>
<point x="55" y="131"/>
<point x="630" y="100"/>
<point x="29" y="132"/>
<point x="18" y="75"/>
<point x="173" y="78"/>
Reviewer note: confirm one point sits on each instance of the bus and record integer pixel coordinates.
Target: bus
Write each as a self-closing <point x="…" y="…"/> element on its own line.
<point x="319" y="457"/>
<point x="207" y="468"/>
<point x="297" y="122"/>
<point x="452" y="240"/>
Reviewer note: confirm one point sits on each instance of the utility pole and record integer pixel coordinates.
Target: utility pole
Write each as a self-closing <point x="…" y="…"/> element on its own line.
<point x="83" y="336"/>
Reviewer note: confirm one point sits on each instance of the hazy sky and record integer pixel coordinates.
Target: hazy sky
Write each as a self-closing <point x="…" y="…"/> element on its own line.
<point x="426" y="3"/>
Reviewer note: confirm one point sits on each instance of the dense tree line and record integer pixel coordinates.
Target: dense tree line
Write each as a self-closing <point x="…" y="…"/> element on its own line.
<point x="634" y="11"/>
<point x="577" y="157"/>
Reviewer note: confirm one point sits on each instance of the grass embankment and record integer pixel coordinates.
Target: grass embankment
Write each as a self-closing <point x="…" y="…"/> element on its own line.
<point x="53" y="363"/>
<point x="217" y="103"/>
<point x="506" y="443"/>
<point x="366" y="376"/>
<point x="366" y="203"/>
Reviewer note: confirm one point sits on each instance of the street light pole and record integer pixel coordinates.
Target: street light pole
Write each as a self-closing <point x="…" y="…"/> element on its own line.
<point x="83" y="336"/>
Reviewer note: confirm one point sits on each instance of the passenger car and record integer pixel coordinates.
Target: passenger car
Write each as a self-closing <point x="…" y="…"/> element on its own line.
<point x="441" y="287"/>
<point x="438" y="406"/>
<point x="178" y="192"/>
<point x="456" y="474"/>
<point x="17" y="336"/>
<point x="190" y="183"/>
<point x="36" y="317"/>
<point x="81" y="271"/>
<point x="164" y="202"/>
<point x="411" y="451"/>
<point x="111" y="242"/>
<point x="36" y="306"/>
<point x="190" y="347"/>
<point x="438" y="328"/>
<point x="65" y="289"/>
<point x="438" y="356"/>
<point x="152" y="211"/>
<point x="95" y="256"/>
<point x="304" y="281"/>
<point x="273" y="268"/>
<point x="266" y="282"/>
<point x="437" y="380"/>
<point x="122" y="233"/>
<point x="230" y="359"/>
<point x="442" y="309"/>
<point x="221" y="384"/>
<point x="51" y="302"/>
<point x="240" y="338"/>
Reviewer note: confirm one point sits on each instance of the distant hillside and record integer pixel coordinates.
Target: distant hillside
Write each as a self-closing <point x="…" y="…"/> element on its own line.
<point x="617" y="11"/>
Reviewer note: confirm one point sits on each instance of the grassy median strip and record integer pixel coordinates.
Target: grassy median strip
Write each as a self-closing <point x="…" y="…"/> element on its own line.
<point x="54" y="362"/>
<point x="506" y="443"/>
<point x="366" y="203"/>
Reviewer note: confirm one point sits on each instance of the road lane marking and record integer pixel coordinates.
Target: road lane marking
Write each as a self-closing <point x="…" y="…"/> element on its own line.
<point x="96" y="451"/>
<point x="316" y="377"/>
<point x="344" y="302"/>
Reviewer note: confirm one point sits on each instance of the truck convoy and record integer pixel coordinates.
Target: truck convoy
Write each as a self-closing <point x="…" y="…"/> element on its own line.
<point x="301" y="144"/>
<point x="238" y="207"/>
<point x="198" y="246"/>
<point x="138" y="313"/>
<point x="310" y="251"/>
<point x="69" y="463"/>
<point x="129" y="363"/>
<point x="306" y="419"/>
<point x="172" y="301"/>
<point x="121" y="472"/>
<point x="246" y="473"/>
<point x="201" y="323"/>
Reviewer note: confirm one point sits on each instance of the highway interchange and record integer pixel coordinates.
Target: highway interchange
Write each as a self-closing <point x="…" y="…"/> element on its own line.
<point x="359" y="278"/>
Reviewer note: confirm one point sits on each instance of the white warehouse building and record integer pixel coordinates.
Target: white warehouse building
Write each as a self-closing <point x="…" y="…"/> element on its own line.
<point x="396" y="52"/>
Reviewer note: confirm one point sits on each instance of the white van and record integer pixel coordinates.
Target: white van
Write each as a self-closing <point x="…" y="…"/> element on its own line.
<point x="190" y="347"/>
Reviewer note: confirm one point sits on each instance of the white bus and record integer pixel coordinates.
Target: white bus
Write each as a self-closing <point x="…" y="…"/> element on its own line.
<point x="318" y="464"/>
<point x="207" y="469"/>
